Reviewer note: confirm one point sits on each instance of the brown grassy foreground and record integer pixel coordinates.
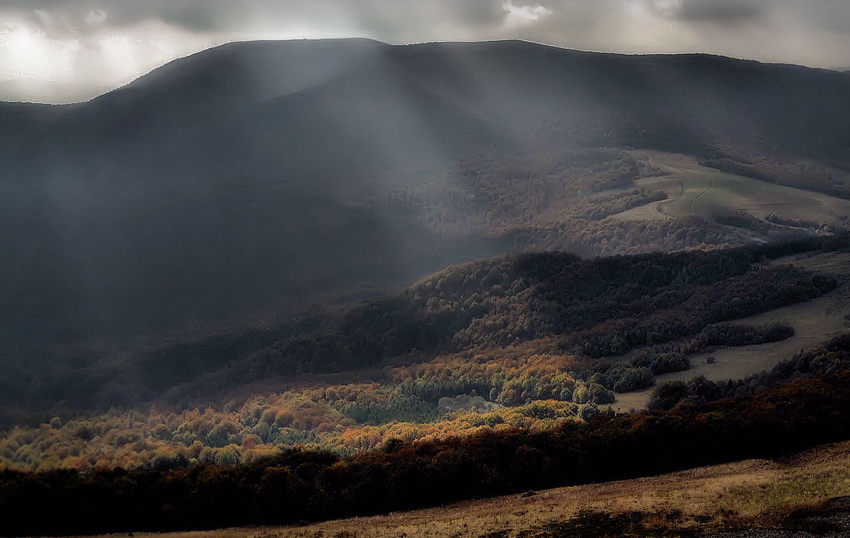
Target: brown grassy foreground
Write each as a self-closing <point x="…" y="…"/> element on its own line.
<point x="751" y="493"/>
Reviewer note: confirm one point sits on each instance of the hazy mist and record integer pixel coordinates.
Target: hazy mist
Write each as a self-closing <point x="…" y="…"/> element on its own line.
<point x="65" y="51"/>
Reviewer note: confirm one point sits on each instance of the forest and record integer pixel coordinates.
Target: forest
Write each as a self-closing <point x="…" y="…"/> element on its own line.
<point x="527" y="341"/>
<point x="591" y="307"/>
<point x="809" y="406"/>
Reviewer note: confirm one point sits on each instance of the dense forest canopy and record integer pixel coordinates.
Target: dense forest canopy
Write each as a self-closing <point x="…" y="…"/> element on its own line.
<point x="520" y="341"/>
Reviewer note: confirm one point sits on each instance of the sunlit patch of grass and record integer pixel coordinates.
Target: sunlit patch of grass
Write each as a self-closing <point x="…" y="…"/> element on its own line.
<point x="770" y="503"/>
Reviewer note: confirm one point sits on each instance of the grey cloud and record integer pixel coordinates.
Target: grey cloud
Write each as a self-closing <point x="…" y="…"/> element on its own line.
<point x="479" y="12"/>
<point x="830" y="15"/>
<point x="391" y="16"/>
<point x="394" y="19"/>
<point x="400" y="15"/>
<point x="190" y="14"/>
<point x="720" y="10"/>
<point x="186" y="15"/>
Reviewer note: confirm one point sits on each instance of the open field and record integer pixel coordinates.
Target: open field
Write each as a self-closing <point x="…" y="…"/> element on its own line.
<point x="814" y="322"/>
<point x="695" y="190"/>
<point x="742" y="494"/>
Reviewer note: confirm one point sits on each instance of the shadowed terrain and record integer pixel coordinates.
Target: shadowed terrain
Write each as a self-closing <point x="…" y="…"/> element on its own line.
<point x="315" y="279"/>
<point x="249" y="178"/>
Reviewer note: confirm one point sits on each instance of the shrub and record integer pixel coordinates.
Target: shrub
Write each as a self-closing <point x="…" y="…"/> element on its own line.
<point x="669" y="362"/>
<point x="633" y="379"/>
<point x="668" y="395"/>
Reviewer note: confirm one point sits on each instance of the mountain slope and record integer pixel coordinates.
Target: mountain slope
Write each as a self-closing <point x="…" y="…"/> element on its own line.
<point x="663" y="306"/>
<point x="256" y="173"/>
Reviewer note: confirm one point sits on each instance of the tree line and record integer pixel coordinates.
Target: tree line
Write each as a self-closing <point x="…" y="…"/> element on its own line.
<point x="302" y="485"/>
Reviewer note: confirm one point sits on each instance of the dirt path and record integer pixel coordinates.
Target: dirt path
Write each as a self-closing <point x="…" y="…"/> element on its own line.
<point x="684" y="177"/>
<point x="700" y="195"/>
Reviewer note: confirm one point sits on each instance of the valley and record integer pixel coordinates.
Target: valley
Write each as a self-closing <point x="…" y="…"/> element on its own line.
<point x="530" y="341"/>
<point x="286" y="281"/>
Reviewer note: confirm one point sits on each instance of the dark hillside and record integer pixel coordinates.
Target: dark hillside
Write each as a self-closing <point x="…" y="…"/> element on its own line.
<point x="256" y="175"/>
<point x="593" y="308"/>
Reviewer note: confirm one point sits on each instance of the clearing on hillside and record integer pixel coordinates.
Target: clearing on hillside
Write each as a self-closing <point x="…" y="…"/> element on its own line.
<point x="814" y="323"/>
<point x="696" y="190"/>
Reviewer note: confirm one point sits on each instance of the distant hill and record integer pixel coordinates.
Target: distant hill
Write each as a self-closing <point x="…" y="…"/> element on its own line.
<point x="256" y="175"/>
<point x="663" y="304"/>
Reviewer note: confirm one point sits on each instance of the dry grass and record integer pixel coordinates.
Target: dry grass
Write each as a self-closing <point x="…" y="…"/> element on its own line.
<point x="752" y="492"/>
<point x="697" y="190"/>
<point x="815" y="322"/>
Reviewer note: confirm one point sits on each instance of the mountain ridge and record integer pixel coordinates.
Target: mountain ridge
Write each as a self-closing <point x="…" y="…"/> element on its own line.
<point x="196" y="194"/>
<point x="229" y="46"/>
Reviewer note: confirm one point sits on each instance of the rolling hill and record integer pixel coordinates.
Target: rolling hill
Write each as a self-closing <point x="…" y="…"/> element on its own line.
<point x="513" y="329"/>
<point x="276" y="282"/>
<point x="247" y="180"/>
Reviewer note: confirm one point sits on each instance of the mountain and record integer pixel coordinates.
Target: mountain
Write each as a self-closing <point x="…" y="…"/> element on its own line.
<point x="247" y="179"/>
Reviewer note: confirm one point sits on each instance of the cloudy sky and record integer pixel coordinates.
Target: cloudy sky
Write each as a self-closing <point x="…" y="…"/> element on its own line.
<point x="72" y="50"/>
